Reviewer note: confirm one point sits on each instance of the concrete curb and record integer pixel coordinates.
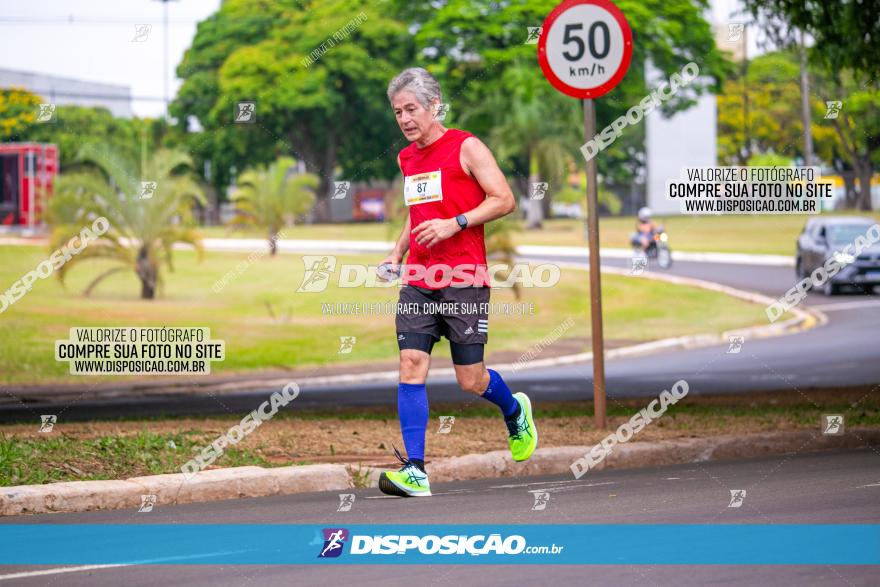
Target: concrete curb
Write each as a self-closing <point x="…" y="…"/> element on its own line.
<point x="238" y="482"/>
<point x="247" y="245"/>
<point x="558" y="460"/>
<point x="212" y="485"/>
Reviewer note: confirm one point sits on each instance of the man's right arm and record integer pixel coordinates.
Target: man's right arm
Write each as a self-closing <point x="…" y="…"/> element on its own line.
<point x="402" y="245"/>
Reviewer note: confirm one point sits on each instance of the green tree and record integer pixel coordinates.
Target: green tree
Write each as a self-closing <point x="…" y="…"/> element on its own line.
<point x="846" y="47"/>
<point x="18" y="112"/>
<point x="774" y="122"/>
<point x="327" y="112"/>
<point x="272" y="198"/>
<point x="535" y="124"/>
<point x="145" y="220"/>
<point x="857" y="127"/>
<point x="846" y="32"/>
<point x="471" y="44"/>
<point x="75" y="125"/>
<point x="769" y="160"/>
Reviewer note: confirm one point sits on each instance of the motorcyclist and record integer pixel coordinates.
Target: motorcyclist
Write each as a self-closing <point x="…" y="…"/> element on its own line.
<point x="645" y="229"/>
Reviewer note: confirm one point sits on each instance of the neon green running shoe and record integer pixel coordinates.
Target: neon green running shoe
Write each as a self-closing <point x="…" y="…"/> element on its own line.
<point x="409" y="481"/>
<point x="523" y="435"/>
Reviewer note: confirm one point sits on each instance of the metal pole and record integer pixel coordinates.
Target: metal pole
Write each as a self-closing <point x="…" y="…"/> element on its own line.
<point x="41" y="173"/>
<point x="165" y="64"/>
<point x="31" y="196"/>
<point x="806" y="117"/>
<point x="595" y="280"/>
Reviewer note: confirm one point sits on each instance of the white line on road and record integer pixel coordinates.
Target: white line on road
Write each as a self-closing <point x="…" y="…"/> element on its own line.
<point x="846" y="306"/>
<point x="78" y="569"/>
<point x="44" y="572"/>
<point x="553" y="483"/>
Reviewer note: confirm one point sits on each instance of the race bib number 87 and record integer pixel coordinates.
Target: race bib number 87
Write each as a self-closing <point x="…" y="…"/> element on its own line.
<point x="421" y="188"/>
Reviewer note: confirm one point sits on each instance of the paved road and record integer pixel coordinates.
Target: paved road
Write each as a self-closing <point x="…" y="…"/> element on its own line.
<point x="820" y="488"/>
<point x="843" y="352"/>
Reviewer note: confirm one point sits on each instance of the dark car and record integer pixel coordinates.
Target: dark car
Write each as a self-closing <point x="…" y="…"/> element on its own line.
<point x="825" y="237"/>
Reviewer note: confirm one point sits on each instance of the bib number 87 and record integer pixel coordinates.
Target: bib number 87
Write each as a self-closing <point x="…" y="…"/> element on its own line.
<point x="568" y="37"/>
<point x="420" y="187"/>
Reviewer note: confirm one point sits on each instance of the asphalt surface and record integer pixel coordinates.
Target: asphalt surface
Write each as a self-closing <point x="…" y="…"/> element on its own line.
<point x="837" y="487"/>
<point x="844" y="352"/>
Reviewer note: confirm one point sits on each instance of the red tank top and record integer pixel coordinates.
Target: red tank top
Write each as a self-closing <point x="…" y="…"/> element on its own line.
<point x="460" y="193"/>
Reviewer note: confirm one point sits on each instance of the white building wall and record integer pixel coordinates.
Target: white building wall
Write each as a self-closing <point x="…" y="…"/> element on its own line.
<point x="687" y="139"/>
<point x="68" y="91"/>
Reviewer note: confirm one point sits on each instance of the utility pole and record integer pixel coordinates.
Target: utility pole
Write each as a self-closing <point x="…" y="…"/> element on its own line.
<point x="165" y="52"/>
<point x="747" y="146"/>
<point x="806" y="116"/>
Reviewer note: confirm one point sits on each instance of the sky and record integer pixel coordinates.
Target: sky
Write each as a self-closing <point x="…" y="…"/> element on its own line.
<point x="99" y="40"/>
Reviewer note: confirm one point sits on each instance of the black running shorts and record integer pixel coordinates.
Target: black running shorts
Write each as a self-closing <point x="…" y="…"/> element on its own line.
<point x="461" y="314"/>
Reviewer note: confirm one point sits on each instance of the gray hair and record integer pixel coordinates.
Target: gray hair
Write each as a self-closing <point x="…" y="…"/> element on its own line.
<point x="418" y="81"/>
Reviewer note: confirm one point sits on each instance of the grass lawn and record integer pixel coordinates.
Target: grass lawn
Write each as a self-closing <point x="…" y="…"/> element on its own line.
<point x="762" y="234"/>
<point x="300" y="336"/>
<point x="120" y="449"/>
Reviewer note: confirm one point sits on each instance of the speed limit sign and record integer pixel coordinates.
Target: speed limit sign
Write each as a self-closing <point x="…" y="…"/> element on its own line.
<point x="584" y="51"/>
<point x="585" y="47"/>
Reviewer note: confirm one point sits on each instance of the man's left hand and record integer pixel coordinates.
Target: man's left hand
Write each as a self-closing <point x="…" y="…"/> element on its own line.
<point x="431" y="232"/>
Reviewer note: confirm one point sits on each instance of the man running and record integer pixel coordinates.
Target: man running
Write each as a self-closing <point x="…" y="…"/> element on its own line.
<point x="452" y="186"/>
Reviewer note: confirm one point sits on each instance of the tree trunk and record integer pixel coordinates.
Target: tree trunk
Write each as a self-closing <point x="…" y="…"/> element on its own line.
<point x="328" y="167"/>
<point x="321" y="164"/>
<point x="212" y="216"/>
<point x="849" y="189"/>
<point x="322" y="204"/>
<point x="521" y="183"/>
<point x="865" y="173"/>
<point x="547" y="204"/>
<point x="147" y="273"/>
<point x="273" y="244"/>
<point x="534" y="208"/>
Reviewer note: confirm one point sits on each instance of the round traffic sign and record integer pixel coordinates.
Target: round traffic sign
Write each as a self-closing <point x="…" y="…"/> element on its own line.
<point x="585" y="47"/>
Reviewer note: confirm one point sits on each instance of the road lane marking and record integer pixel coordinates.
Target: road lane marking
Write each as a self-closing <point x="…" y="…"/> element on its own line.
<point x="553" y="483"/>
<point x="846" y="306"/>
<point x="44" y="572"/>
<point x="78" y="569"/>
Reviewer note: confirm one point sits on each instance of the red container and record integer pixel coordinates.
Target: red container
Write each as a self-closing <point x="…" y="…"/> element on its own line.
<point x="27" y="177"/>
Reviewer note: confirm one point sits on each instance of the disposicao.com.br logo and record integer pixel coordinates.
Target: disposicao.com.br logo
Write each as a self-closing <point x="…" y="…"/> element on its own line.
<point x="450" y="544"/>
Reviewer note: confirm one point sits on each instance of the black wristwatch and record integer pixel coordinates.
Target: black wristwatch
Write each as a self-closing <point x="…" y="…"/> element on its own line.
<point x="462" y="221"/>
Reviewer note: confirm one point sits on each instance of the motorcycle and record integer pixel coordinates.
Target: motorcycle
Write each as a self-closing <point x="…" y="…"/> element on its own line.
<point x="657" y="249"/>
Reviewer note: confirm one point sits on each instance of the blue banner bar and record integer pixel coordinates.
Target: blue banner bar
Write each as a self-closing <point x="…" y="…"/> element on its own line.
<point x="604" y="544"/>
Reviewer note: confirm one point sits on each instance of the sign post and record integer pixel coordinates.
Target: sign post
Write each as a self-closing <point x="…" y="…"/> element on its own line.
<point x="584" y="51"/>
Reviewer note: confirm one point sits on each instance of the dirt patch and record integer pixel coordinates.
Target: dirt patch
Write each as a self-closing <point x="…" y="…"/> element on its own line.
<point x="367" y="435"/>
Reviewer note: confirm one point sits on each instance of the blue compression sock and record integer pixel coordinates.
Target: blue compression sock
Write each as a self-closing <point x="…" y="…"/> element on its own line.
<point x="412" y="409"/>
<point x="499" y="394"/>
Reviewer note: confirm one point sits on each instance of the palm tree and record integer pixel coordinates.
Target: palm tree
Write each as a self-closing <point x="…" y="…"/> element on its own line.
<point x="533" y="123"/>
<point x="148" y="205"/>
<point x="270" y="198"/>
